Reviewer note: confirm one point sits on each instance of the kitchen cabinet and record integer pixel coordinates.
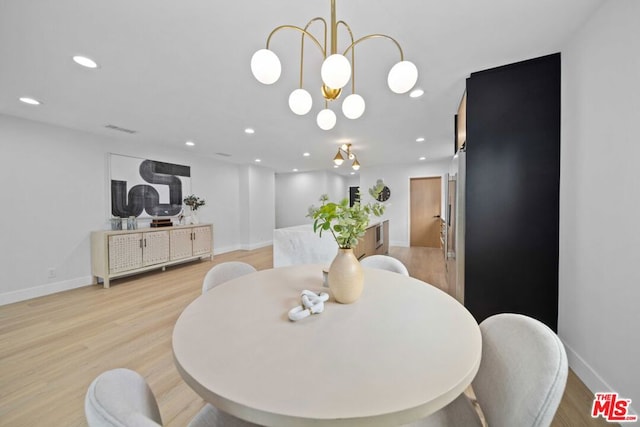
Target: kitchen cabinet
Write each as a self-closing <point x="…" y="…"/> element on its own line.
<point x="123" y="252"/>
<point x="374" y="242"/>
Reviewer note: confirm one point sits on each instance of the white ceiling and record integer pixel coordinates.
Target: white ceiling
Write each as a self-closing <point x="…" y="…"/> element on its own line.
<point x="179" y="70"/>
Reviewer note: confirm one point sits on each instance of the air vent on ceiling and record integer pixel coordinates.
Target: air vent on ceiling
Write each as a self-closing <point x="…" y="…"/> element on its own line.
<point x="120" y="129"/>
<point x="223" y="154"/>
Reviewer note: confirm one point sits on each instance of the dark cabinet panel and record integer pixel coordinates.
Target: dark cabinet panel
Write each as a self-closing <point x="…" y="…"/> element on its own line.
<point x="512" y="190"/>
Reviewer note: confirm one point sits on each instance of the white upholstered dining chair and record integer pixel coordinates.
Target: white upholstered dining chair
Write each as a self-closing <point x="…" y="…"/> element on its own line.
<point x="224" y="272"/>
<point x="384" y="262"/>
<point x="521" y="379"/>
<point x="122" y="398"/>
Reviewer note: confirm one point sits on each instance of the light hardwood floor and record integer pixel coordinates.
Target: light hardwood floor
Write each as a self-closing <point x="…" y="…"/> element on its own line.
<point x="51" y="348"/>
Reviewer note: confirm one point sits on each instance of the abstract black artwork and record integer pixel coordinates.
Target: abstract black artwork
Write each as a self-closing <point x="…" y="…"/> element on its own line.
<point x="147" y="188"/>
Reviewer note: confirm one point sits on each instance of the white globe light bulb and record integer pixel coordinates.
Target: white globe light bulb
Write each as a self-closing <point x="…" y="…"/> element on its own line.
<point x="402" y="77"/>
<point x="326" y="119"/>
<point x="300" y="102"/>
<point x="336" y="71"/>
<point x="353" y="106"/>
<point x="265" y="66"/>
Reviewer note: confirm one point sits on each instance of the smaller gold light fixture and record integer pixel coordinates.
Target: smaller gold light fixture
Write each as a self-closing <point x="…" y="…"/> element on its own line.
<point x="346" y="149"/>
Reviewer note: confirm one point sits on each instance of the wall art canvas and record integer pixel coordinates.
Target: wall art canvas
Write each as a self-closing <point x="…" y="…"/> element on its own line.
<point x="146" y="188"/>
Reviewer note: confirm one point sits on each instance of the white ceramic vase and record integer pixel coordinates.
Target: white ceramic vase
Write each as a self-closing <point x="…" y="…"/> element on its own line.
<point x="190" y="216"/>
<point x="345" y="277"/>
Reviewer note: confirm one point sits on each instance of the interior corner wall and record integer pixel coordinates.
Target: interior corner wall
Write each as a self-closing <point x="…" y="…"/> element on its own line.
<point x="337" y="187"/>
<point x="55" y="194"/>
<point x="599" y="274"/>
<point x="295" y="192"/>
<point x="352" y="181"/>
<point x="397" y="179"/>
<point x="258" y="184"/>
<point x="244" y="206"/>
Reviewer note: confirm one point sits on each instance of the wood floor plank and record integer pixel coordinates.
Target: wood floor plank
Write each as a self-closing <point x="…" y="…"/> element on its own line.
<point x="52" y="347"/>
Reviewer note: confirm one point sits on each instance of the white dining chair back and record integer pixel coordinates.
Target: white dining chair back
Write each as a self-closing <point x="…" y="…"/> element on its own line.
<point x="122" y="398"/>
<point x="385" y="262"/>
<point x="521" y="379"/>
<point x="523" y="372"/>
<point x="224" y="272"/>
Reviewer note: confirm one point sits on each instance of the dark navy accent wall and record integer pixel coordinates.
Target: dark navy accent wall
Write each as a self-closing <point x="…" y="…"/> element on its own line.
<point x="512" y="190"/>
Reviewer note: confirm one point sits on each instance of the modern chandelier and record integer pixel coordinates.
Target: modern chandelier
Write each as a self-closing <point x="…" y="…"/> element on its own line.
<point x="336" y="71"/>
<point x="346" y="149"/>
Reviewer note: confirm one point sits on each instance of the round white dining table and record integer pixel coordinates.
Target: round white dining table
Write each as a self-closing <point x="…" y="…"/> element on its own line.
<point x="399" y="353"/>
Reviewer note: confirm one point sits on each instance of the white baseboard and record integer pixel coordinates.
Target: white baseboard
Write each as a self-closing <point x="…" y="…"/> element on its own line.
<point x="52" y="288"/>
<point x="241" y="247"/>
<point x="225" y="249"/>
<point x="587" y="374"/>
<point x="594" y="382"/>
<point x="400" y="243"/>
<point x="48" y="289"/>
<point x="254" y="246"/>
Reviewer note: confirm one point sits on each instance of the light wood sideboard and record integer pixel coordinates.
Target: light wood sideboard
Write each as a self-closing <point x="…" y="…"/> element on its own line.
<point x="123" y="252"/>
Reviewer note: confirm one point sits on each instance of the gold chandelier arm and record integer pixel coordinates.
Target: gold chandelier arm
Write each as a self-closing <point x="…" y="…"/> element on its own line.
<point x="353" y="56"/>
<point x="302" y="30"/>
<point x="325" y="31"/>
<point x="374" y="36"/>
<point x="302" y="43"/>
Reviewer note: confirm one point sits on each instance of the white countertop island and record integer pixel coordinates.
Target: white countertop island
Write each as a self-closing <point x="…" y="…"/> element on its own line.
<point x="300" y="245"/>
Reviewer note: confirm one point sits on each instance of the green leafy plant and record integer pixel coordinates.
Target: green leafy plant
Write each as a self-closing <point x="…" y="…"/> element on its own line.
<point x="346" y="224"/>
<point x="194" y="202"/>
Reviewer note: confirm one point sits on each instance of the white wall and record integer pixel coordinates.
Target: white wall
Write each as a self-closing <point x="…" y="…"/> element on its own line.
<point x="599" y="269"/>
<point x="337" y="187"/>
<point x="397" y="179"/>
<point x="259" y="220"/>
<point x="295" y="192"/>
<point x="352" y="181"/>
<point x="55" y="192"/>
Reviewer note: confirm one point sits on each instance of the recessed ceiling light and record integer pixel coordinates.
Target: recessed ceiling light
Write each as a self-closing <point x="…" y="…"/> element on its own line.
<point x="306" y="154"/>
<point x="421" y="139"/>
<point x="335" y="166"/>
<point x="352" y="173"/>
<point x="249" y="131"/>
<point x="416" y="93"/>
<point x="295" y="170"/>
<point x="85" y="62"/>
<point x="423" y="158"/>
<point x="30" y="101"/>
<point x="190" y="143"/>
<point x="258" y="160"/>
